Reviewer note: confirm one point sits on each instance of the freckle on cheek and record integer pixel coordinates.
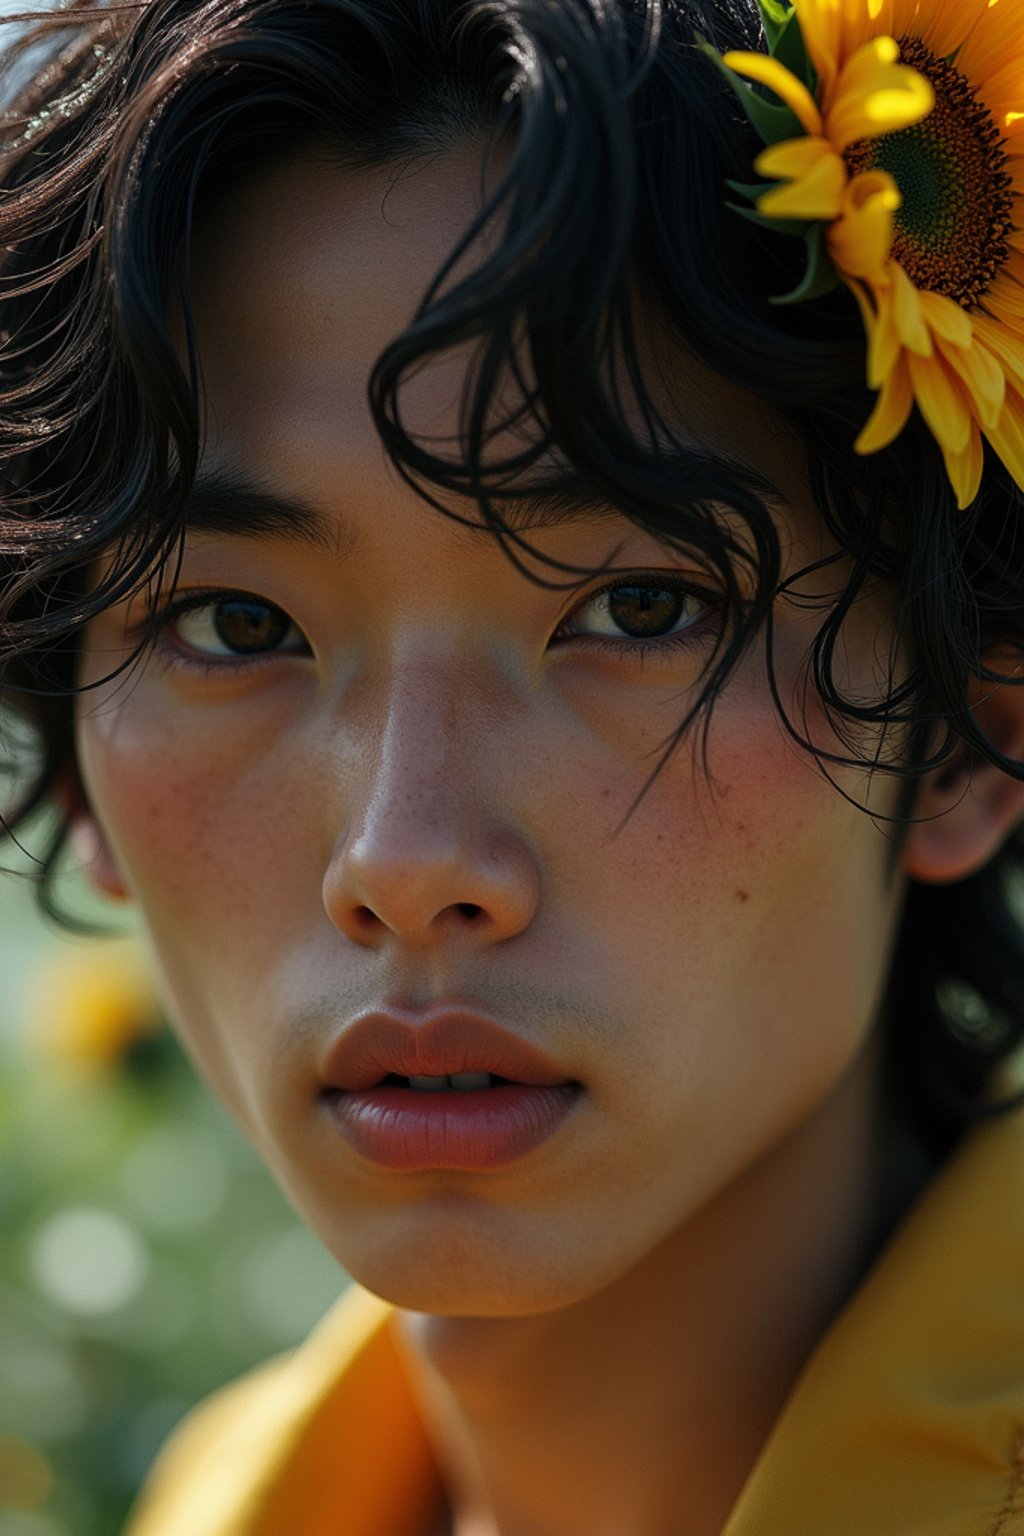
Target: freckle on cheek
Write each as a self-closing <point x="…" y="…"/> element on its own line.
<point x="742" y="896"/>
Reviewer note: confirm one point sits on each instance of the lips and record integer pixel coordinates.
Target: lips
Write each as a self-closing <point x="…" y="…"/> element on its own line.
<point x="387" y="1043"/>
<point x="457" y="1125"/>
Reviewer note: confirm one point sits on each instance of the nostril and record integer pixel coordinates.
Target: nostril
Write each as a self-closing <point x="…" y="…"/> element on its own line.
<point x="367" y="918"/>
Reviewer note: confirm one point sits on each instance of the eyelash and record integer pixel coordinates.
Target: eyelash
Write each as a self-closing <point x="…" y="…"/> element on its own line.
<point x="637" y="647"/>
<point x="173" y="653"/>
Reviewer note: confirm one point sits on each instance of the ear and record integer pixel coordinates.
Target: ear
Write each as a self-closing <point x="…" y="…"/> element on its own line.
<point x="966" y="809"/>
<point x="87" y="839"/>
<point x="92" y="851"/>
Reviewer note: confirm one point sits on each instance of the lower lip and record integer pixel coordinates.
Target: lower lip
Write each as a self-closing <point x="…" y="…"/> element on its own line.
<point x="410" y="1129"/>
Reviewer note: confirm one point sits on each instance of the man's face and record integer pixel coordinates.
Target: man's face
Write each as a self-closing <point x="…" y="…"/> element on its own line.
<point x="394" y="774"/>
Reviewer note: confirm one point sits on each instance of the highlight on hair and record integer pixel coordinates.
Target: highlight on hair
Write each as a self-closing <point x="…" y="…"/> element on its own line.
<point x="618" y="136"/>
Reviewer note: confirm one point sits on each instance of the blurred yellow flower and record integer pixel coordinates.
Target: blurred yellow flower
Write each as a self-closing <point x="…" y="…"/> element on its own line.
<point x="26" y="1476"/>
<point x="913" y="156"/>
<point x="88" y="1007"/>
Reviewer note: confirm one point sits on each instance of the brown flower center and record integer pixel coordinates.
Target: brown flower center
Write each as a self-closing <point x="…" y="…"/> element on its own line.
<point x="951" y="169"/>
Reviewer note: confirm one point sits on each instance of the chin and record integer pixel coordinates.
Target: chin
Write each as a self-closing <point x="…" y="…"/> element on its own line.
<point x="461" y="1273"/>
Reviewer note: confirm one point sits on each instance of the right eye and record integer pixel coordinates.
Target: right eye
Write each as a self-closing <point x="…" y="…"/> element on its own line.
<point x="234" y="624"/>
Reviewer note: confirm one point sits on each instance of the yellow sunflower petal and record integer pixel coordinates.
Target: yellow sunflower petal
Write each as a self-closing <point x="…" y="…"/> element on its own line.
<point x="816" y="195"/>
<point x="769" y="72"/>
<point x="908" y="313"/>
<point x="981" y="377"/>
<point x="1003" y="90"/>
<point x="1005" y="344"/>
<point x="1006" y="301"/>
<point x="793" y="158"/>
<point x="941" y="403"/>
<point x="874" y="95"/>
<point x="884" y="347"/>
<point x="822" y="27"/>
<point x="996" y="34"/>
<point x="965" y="469"/>
<point x="868" y="65"/>
<point x="833" y="30"/>
<point x="1008" y="438"/>
<point x="942" y="25"/>
<point x="861" y="238"/>
<point x="946" y="319"/>
<point x="1003" y="327"/>
<point x="1005" y="298"/>
<point x="889" y="17"/>
<point x="892" y="409"/>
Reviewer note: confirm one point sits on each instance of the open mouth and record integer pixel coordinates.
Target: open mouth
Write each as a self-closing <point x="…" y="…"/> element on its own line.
<point x="461" y="1082"/>
<point x="385" y="1089"/>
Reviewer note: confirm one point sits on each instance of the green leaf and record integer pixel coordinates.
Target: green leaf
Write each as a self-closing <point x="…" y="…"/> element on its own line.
<point x="751" y="189"/>
<point x="772" y="122"/>
<point x="797" y="227"/>
<point x="775" y="14"/>
<point x="819" y="278"/>
<point x="791" y="51"/>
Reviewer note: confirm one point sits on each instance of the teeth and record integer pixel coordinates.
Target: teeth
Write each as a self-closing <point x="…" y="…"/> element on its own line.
<point x="469" y="1080"/>
<point x="464" y="1082"/>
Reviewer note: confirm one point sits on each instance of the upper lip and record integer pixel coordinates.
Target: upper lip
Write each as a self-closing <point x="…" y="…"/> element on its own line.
<point x="382" y="1041"/>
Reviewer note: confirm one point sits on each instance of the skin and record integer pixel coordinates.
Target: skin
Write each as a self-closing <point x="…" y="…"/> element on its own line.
<point x="302" y="837"/>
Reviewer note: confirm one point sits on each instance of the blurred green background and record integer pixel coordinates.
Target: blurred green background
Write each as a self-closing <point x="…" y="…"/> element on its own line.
<point x="145" y="1256"/>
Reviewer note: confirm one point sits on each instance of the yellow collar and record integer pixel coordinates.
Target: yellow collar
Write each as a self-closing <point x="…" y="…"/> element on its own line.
<point x="908" y="1420"/>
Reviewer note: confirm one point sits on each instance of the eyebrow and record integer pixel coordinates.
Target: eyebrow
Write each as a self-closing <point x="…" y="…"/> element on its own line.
<point x="232" y="505"/>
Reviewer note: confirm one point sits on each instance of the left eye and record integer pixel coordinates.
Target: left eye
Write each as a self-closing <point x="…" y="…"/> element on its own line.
<point x="639" y="610"/>
<point x="236" y="625"/>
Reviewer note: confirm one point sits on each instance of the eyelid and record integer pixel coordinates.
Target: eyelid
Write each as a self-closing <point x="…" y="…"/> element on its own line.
<point x="698" y="582"/>
<point x="671" y="578"/>
<point x="178" y="601"/>
<point x="158" y="621"/>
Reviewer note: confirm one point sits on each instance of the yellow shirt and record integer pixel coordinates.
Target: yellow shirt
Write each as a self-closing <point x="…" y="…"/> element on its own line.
<point x="908" y="1419"/>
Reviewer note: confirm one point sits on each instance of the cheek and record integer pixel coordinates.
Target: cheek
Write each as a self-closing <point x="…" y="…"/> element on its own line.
<point x="755" y="910"/>
<point x="188" y="811"/>
<point x="206" y="829"/>
<point x="156" y="811"/>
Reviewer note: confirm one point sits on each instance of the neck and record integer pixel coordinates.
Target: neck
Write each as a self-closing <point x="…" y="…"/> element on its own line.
<point x="641" y="1411"/>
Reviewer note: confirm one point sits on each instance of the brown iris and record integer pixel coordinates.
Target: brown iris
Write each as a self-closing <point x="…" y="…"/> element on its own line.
<point x="952" y="172"/>
<point x="246" y="625"/>
<point x="645" y="610"/>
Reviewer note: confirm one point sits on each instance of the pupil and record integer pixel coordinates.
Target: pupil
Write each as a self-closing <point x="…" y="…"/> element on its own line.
<point x="645" y="610"/>
<point x="248" y="626"/>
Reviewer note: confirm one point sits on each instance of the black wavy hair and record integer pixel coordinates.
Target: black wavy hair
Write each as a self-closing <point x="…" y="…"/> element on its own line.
<point x="126" y="120"/>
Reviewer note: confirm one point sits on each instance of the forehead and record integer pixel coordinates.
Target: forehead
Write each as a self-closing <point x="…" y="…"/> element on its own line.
<point x="309" y="270"/>
<point x="305" y="274"/>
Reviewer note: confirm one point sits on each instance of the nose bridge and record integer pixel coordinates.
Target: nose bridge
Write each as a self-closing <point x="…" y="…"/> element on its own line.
<point x="428" y="840"/>
<point x="433" y="741"/>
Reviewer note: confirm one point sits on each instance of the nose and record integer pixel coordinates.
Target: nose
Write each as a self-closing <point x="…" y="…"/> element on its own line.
<point x="429" y="854"/>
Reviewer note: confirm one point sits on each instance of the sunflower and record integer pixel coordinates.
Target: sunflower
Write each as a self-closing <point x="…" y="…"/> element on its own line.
<point x="89" y="1010"/>
<point x="900" y="140"/>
